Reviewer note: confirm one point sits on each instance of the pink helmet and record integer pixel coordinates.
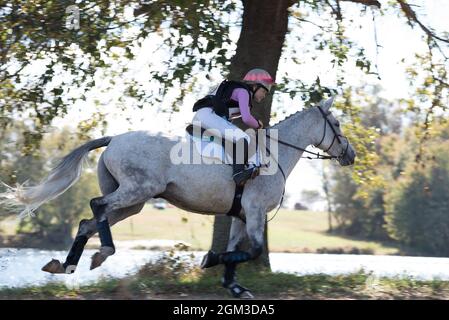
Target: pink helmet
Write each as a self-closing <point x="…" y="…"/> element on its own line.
<point x="259" y="76"/>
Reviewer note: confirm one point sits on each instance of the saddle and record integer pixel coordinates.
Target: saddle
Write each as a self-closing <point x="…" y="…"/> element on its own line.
<point x="189" y="130"/>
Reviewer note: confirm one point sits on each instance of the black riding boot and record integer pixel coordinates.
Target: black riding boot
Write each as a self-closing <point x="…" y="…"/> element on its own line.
<point x="240" y="173"/>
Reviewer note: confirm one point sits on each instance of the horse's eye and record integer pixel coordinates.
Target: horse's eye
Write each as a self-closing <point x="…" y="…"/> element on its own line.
<point x="337" y="124"/>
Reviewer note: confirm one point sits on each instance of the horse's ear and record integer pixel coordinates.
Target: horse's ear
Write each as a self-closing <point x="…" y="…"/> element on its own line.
<point x="326" y="105"/>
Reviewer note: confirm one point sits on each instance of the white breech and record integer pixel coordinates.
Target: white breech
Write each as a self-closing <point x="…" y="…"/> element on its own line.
<point x="211" y="121"/>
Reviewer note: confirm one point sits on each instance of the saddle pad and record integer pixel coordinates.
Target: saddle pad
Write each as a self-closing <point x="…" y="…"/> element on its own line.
<point x="208" y="149"/>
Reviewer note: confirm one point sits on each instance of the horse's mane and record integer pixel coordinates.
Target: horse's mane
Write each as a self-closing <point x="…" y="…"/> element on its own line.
<point x="290" y="116"/>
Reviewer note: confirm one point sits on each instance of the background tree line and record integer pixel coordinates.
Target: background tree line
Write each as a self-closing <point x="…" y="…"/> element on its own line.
<point x="53" y="224"/>
<point x="407" y="200"/>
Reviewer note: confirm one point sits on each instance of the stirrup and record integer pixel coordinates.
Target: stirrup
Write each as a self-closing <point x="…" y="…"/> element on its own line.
<point x="242" y="176"/>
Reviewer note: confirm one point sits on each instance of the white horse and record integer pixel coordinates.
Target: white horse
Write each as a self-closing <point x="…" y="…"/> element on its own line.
<point x="136" y="167"/>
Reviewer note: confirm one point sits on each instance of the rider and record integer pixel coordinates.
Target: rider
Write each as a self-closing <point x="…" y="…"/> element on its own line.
<point x="231" y="100"/>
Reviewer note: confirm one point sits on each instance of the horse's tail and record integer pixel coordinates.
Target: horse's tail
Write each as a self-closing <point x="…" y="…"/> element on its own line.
<point x="61" y="178"/>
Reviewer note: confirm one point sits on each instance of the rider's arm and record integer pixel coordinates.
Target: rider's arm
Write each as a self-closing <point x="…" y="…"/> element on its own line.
<point x="242" y="96"/>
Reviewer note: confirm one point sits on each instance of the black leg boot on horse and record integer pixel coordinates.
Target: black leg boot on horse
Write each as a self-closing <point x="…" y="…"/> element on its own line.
<point x="104" y="231"/>
<point x="243" y="171"/>
<point x="230" y="260"/>
<point x="69" y="266"/>
<point x="85" y="231"/>
<point x="229" y="282"/>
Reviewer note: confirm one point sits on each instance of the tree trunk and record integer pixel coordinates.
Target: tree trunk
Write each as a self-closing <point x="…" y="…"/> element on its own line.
<point x="326" y="187"/>
<point x="260" y="45"/>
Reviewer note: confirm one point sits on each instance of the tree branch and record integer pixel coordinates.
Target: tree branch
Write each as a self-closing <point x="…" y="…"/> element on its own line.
<point x="4" y="75"/>
<point x="335" y="11"/>
<point x="411" y="16"/>
<point x="311" y="22"/>
<point x="366" y="2"/>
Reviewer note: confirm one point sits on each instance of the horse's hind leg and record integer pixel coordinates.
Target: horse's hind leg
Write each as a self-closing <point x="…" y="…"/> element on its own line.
<point x="102" y="207"/>
<point x="87" y="228"/>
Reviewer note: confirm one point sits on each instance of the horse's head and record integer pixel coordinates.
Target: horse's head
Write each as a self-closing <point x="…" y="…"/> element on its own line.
<point x="328" y="135"/>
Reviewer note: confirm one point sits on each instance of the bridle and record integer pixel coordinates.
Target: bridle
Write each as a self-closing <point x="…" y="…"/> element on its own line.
<point x="336" y="136"/>
<point x="318" y="155"/>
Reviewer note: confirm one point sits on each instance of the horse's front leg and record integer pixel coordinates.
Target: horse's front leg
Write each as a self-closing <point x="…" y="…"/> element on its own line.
<point x="236" y="237"/>
<point x="254" y="228"/>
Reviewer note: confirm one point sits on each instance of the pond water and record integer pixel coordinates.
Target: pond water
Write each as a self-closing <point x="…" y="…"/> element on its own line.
<point x="22" y="267"/>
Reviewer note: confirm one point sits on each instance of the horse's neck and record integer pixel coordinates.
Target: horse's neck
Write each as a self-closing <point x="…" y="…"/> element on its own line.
<point x="296" y="131"/>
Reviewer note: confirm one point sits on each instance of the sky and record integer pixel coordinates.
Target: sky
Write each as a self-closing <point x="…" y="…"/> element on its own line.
<point x="398" y="42"/>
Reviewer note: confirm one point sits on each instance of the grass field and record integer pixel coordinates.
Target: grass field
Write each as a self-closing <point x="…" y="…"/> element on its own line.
<point x="162" y="280"/>
<point x="293" y="231"/>
<point x="289" y="231"/>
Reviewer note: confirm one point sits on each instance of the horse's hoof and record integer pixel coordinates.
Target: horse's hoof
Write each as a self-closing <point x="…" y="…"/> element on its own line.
<point x="240" y="292"/>
<point x="210" y="259"/>
<point x="246" y="295"/>
<point x="99" y="257"/>
<point x="97" y="260"/>
<point x="54" y="266"/>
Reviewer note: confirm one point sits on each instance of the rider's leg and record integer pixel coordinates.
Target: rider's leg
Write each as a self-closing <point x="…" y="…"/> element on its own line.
<point x="244" y="167"/>
<point x="242" y="171"/>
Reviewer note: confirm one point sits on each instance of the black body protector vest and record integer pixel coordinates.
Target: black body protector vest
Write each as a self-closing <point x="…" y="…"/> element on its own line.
<point x="221" y="101"/>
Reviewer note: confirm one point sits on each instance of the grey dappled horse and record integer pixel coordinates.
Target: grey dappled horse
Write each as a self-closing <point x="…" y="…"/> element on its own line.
<point x="136" y="167"/>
